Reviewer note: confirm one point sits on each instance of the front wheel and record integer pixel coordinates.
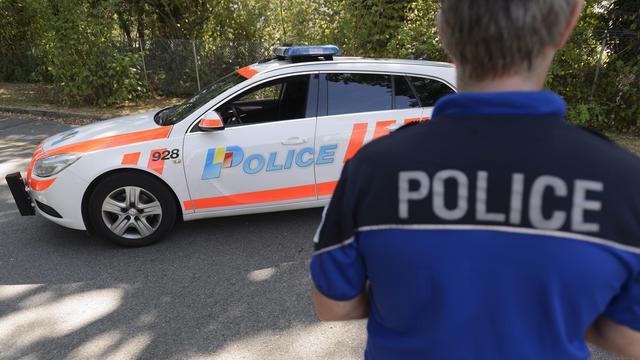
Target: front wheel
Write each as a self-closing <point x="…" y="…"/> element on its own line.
<point x="132" y="209"/>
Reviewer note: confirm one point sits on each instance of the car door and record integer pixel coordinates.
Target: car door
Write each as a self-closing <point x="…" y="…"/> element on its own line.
<point x="429" y="91"/>
<point x="355" y="108"/>
<point x="265" y="154"/>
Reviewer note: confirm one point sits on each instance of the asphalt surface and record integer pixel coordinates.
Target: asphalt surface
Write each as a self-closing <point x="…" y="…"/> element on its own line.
<point x="231" y="288"/>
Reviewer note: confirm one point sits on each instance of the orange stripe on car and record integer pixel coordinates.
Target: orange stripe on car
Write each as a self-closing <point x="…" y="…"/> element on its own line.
<point x="382" y="128"/>
<point x="247" y="72"/>
<point x="411" y="120"/>
<point x="156" y="165"/>
<point x="40" y="185"/>
<point x="327" y="188"/>
<point x="131" y="159"/>
<point x="266" y="196"/>
<point x="357" y="140"/>
<point x="113" y="141"/>
<point x="211" y="123"/>
<point x="36" y="155"/>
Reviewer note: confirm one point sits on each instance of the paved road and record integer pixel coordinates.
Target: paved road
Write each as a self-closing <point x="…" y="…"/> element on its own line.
<point x="233" y="288"/>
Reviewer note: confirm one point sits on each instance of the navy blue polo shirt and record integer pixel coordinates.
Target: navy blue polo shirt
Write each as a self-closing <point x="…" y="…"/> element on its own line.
<point x="495" y="231"/>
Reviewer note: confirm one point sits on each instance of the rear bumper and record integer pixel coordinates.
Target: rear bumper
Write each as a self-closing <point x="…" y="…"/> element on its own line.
<point x="20" y="195"/>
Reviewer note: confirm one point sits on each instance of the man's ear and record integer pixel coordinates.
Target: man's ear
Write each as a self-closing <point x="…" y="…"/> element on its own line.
<point x="576" y="10"/>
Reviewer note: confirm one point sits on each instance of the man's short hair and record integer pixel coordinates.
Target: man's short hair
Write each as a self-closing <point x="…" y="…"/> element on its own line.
<point x="492" y="38"/>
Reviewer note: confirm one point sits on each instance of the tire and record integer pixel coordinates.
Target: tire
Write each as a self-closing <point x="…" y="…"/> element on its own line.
<point x="132" y="209"/>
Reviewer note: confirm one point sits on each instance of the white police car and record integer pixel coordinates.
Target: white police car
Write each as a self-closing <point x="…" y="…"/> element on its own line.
<point x="272" y="136"/>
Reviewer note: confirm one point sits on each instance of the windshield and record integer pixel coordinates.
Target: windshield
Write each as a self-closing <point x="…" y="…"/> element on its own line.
<point x="175" y="114"/>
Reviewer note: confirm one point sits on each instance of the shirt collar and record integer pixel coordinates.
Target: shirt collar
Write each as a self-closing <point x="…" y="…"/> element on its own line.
<point x="530" y="104"/>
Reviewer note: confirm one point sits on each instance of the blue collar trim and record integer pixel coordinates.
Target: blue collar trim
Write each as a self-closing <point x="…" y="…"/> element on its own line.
<point x="530" y="104"/>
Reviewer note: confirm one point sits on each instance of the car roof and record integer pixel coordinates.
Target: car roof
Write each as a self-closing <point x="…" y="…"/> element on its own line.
<point x="277" y="64"/>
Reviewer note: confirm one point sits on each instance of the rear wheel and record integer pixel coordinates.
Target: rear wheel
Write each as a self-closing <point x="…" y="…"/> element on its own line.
<point x="132" y="209"/>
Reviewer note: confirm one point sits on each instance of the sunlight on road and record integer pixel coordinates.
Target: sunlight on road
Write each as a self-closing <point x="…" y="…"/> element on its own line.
<point x="46" y="315"/>
<point x="339" y="341"/>
<point x="112" y="345"/>
<point x="8" y="292"/>
<point x="261" y="275"/>
<point x="13" y="165"/>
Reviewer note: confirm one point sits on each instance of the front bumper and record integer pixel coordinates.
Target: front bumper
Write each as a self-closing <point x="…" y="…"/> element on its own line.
<point x="59" y="203"/>
<point x="20" y="195"/>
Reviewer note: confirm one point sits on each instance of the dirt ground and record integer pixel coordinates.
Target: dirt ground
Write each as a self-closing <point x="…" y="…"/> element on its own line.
<point x="43" y="97"/>
<point x="629" y="141"/>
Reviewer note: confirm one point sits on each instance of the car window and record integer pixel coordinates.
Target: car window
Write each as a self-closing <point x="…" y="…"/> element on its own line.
<point x="277" y="100"/>
<point x="175" y="114"/>
<point x="430" y="90"/>
<point x="405" y="98"/>
<point x="271" y="92"/>
<point x="356" y="93"/>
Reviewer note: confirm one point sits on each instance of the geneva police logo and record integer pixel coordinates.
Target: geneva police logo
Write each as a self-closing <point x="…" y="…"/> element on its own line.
<point x="65" y="136"/>
<point x="234" y="156"/>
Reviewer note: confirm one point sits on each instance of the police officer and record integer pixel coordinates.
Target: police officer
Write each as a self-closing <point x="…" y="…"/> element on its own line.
<point x="497" y="230"/>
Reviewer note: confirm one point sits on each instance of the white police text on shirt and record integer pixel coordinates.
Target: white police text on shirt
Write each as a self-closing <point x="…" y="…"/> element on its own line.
<point x="418" y="185"/>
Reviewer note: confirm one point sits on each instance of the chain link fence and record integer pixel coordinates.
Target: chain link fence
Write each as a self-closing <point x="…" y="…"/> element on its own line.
<point x="183" y="67"/>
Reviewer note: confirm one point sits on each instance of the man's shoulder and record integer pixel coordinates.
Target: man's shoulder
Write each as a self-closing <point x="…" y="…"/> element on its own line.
<point x="600" y="146"/>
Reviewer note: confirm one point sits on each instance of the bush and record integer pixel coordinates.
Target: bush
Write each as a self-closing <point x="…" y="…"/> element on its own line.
<point x="82" y="58"/>
<point x="22" y="25"/>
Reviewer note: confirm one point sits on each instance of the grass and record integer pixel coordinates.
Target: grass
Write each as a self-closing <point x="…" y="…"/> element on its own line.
<point x="629" y="141"/>
<point x="43" y="97"/>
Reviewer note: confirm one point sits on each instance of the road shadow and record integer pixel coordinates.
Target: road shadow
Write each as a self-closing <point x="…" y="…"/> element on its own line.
<point x="211" y="283"/>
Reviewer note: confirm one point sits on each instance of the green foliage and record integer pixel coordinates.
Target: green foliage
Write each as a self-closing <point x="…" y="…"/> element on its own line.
<point x="610" y="102"/>
<point x="91" y="49"/>
<point x="368" y="26"/>
<point x="304" y="22"/>
<point x="623" y="68"/>
<point x="21" y="26"/>
<point x="418" y="36"/>
<point x="82" y="58"/>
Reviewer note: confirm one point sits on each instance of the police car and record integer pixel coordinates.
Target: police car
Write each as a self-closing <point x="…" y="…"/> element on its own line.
<point x="272" y="136"/>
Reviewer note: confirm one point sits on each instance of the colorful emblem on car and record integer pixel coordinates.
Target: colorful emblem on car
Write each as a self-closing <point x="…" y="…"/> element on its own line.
<point x="65" y="136"/>
<point x="232" y="156"/>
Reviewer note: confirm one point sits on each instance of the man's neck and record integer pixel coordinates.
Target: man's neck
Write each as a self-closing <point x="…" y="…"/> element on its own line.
<point x="517" y="81"/>
<point x="513" y="83"/>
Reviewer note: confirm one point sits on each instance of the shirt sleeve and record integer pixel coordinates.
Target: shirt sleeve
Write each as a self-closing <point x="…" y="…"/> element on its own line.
<point x="337" y="266"/>
<point x="625" y="307"/>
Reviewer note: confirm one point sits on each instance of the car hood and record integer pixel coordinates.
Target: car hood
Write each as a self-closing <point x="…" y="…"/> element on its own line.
<point x="101" y="131"/>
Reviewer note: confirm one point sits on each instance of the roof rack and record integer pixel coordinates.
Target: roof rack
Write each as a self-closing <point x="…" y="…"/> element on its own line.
<point x="306" y="53"/>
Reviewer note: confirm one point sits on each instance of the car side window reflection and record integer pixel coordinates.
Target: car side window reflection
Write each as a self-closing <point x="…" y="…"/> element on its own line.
<point x="271" y="93"/>
<point x="277" y="100"/>
<point x="357" y="93"/>
<point x="430" y="90"/>
<point x="405" y="98"/>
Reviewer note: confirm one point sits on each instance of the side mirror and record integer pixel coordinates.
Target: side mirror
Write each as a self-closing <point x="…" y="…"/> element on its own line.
<point x="211" y="121"/>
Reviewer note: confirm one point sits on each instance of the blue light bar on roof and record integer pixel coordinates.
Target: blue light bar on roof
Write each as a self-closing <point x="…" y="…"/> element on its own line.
<point x="290" y="52"/>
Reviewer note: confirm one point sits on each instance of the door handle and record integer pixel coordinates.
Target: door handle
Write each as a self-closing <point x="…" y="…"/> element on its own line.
<point x="294" y="141"/>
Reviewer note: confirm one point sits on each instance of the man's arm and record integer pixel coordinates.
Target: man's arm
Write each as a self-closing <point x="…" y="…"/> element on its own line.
<point x="331" y="310"/>
<point x="337" y="267"/>
<point x="615" y="338"/>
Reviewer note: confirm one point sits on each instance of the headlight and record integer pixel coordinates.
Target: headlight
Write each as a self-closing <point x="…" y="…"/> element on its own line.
<point x="51" y="165"/>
